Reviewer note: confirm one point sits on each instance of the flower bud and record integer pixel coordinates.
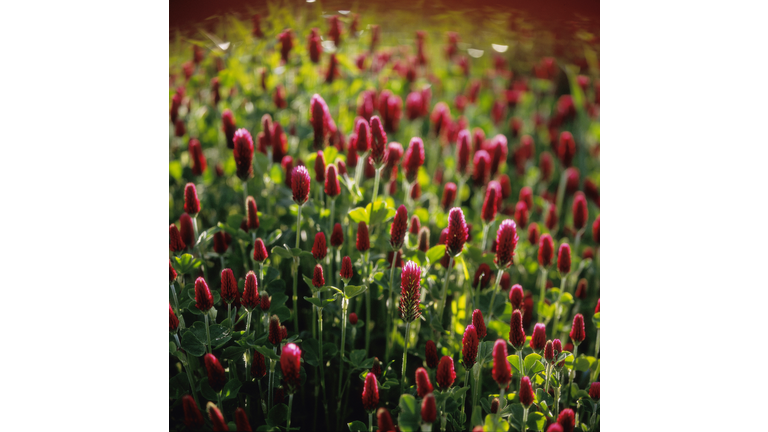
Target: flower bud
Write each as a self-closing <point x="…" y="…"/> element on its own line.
<point x="429" y="409"/>
<point x="176" y="244"/>
<point x="566" y="149"/>
<point x="564" y="259"/>
<point x="431" y="354"/>
<point x="320" y="167"/>
<point x="458" y="232"/>
<point x="179" y="129"/>
<point x="494" y="407"/>
<point x="596" y="230"/>
<point x="300" y="184"/>
<point x="506" y="242"/>
<point x="546" y="250"/>
<point x="171" y="271"/>
<point x="229" y="291"/>
<point x="581" y="289"/>
<point x="578" y="333"/>
<point x="275" y="334"/>
<point x="521" y="213"/>
<point x="449" y="195"/>
<point x="283" y="332"/>
<point x="243" y="153"/>
<point x="220" y="243"/>
<point x="346" y="269"/>
<point x="362" y="242"/>
<point x="337" y="236"/>
<point x="259" y="251"/>
<point x="332" y="188"/>
<point x="187" y="230"/>
<point x="423" y="385"/>
<point x="469" y="344"/>
<point x="482" y="276"/>
<point x="203" y="297"/>
<point x="539" y="337"/>
<point x="479" y="323"/>
<point x="567" y="420"/>
<point x="290" y="364"/>
<point x="482" y="162"/>
<point x="516" y="332"/>
<point x="193" y="418"/>
<point x="502" y="371"/>
<point x="265" y="301"/>
<point x="199" y="163"/>
<point x="594" y="391"/>
<point x="549" y="352"/>
<point x="191" y="203"/>
<point x="252" y="213"/>
<point x="526" y="392"/>
<point x="491" y="202"/>
<point x="413" y="159"/>
<point x="318" y="281"/>
<point x="424" y="239"/>
<point x="241" y="420"/>
<point x="216" y="376"/>
<point x="319" y="247"/>
<point x="258" y="365"/>
<point x="384" y="420"/>
<point x="445" y="375"/>
<point x="410" y="279"/>
<point x="516" y="297"/>
<point x="353" y="318"/>
<point x="370" y="393"/>
<point x="251" y="298"/>
<point x="580" y="211"/>
<point x="379" y="142"/>
<point x="399" y="227"/>
<point x="173" y="321"/>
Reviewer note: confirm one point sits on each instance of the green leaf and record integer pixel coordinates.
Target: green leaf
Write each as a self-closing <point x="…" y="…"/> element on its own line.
<point x="435" y="253"/>
<point x="353" y="290"/>
<point x="219" y="335"/>
<point x="357" y="357"/>
<point x="192" y="345"/>
<point x="207" y="391"/>
<point x="596" y="320"/>
<point x="186" y="263"/>
<point x="273" y="237"/>
<point x="566" y="299"/>
<point x="278" y="415"/>
<point x="458" y="392"/>
<point x="319" y="303"/>
<point x="514" y="360"/>
<point x="530" y="362"/>
<point x="230" y="389"/>
<point x="477" y="416"/>
<point x="261" y="162"/>
<point x="357" y="426"/>
<point x="172" y="347"/>
<point x="536" y="420"/>
<point x="358" y="215"/>
<point x="267" y="353"/>
<point x="410" y="414"/>
<point x="281" y="252"/>
<point x="233" y="352"/>
<point x="282" y="312"/>
<point x="491" y="425"/>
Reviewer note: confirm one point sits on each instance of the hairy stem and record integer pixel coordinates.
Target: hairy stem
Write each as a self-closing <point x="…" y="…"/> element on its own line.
<point x="207" y="332"/>
<point x="493" y="296"/>
<point x="405" y="357"/>
<point x="443" y="293"/>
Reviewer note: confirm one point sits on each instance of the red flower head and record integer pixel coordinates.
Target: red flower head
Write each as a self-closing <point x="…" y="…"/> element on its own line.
<point x="567" y="420"/>
<point x="199" y="163"/>
<point x="416" y="191"/>
<point x="479" y="323"/>
<point x="545" y="165"/>
<point x="369" y="170"/>
<point x="516" y="332"/>
<point x="229" y="290"/>
<point x="445" y="375"/>
<point x="370" y="393"/>
<point x="424" y="239"/>
<point x="482" y="276"/>
<point x="253" y="215"/>
<point x="191" y="203"/>
<point x="429" y="409"/>
<point x="478" y="139"/>
<point x="506" y="242"/>
<point x="491" y="203"/>
<point x="594" y="391"/>
<point x="410" y="279"/>
<point x="193" y="418"/>
<point x="175" y="104"/>
<point x="346" y="269"/>
<point x="502" y="371"/>
<point x="596" y="230"/>
<point x="469" y="344"/>
<point x="549" y="352"/>
<point x="332" y="188"/>
<point x="449" y="195"/>
<point x="216" y="376"/>
<point x="539" y="337"/>
<point x="577" y="330"/>
<point x="171" y="271"/>
<point x="597" y="308"/>
<point x="173" y="321"/>
<point x="332" y="72"/>
<point x="557" y="347"/>
<point x="300" y="184"/>
<point x="179" y="129"/>
<point x="283" y="332"/>
<point x="415" y="226"/>
<point x="482" y="162"/>
<point x="320" y="167"/>
<point x="566" y="149"/>
<point x="494" y="410"/>
<point x="258" y="365"/>
<point x="379" y="143"/>
<point x="203" y="297"/>
<point x="275" y="334"/>
<point x="399" y="227"/>
<point x="431" y="354"/>
<point x="414" y="158"/>
<point x="353" y="318"/>
<point x="259" y="251"/>
<point x="384" y="420"/>
<point x="580" y="212"/>
<point x="521" y="213"/>
<point x="279" y="97"/>
<point x="220" y="244"/>
<point x="337" y="236"/>
<point x="588" y="253"/>
<point x="414" y="105"/>
<point x="314" y="47"/>
<point x="317" y="277"/>
<point x="506" y="282"/>
<point x="334" y="31"/>
<point x="526" y="392"/>
<point x="533" y="233"/>
<point x="516" y="297"/>
<point x="320" y="247"/>
<point x="546" y="250"/>
<point x="564" y="259"/>
<point x="187" y="230"/>
<point x="581" y="289"/>
<point x="590" y="189"/>
<point x="265" y="302"/>
<point x="241" y="420"/>
<point x="363" y="132"/>
<point x="251" y="298"/>
<point x="498" y="151"/>
<point x="462" y="152"/>
<point x="394" y="154"/>
<point x="176" y="244"/>
<point x="243" y="153"/>
<point x="555" y="427"/>
<point x="256" y="19"/>
<point x="363" y="242"/>
<point x="440" y="117"/>
<point x="286" y="44"/>
<point x="423" y="386"/>
<point x="458" y="232"/>
<point x="290" y="364"/>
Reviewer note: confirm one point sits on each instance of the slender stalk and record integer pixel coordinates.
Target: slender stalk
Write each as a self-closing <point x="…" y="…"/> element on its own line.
<point x="333" y="209"/>
<point x="191" y="379"/>
<point x="443" y="416"/>
<point x="344" y="306"/>
<point x="547" y="374"/>
<point x="391" y="305"/>
<point x="522" y="364"/>
<point x="370" y="421"/>
<point x="207" y="332"/>
<point x="322" y="363"/>
<point x="367" y="305"/>
<point x="290" y="404"/>
<point x="557" y="305"/>
<point x="261" y="398"/>
<point x="245" y="196"/>
<point x="495" y="290"/>
<point x="501" y="404"/>
<point x="443" y="293"/>
<point x="405" y="357"/>
<point x="478" y="384"/>
<point x="247" y="332"/>
<point x="543" y="290"/>
<point x="597" y="343"/>
<point x="359" y="169"/>
<point x="466" y="384"/>
<point x="525" y="418"/>
<point x="229" y="317"/>
<point x="572" y="374"/>
<point x="485" y="236"/>
<point x="457" y="200"/>
<point x="295" y="278"/>
<point x="176" y="306"/>
<point x="220" y="405"/>
<point x="375" y="192"/>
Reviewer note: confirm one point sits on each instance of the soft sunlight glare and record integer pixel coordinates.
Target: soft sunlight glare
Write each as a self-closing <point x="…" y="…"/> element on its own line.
<point x="476" y="53"/>
<point x="500" y="48"/>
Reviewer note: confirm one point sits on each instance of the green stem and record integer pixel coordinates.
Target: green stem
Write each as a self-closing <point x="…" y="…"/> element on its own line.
<point x="229" y="317"/>
<point x="485" y="236"/>
<point x="176" y="306"/>
<point x="367" y="306"/>
<point x="542" y="292"/>
<point x="333" y="209"/>
<point x="191" y="379"/>
<point x="443" y="416"/>
<point x="501" y="404"/>
<point x="296" y="262"/>
<point x="391" y="305"/>
<point x="457" y="200"/>
<point x="443" y="293"/>
<point x="466" y="384"/>
<point x="207" y="332"/>
<point x="220" y="406"/>
<point x="344" y="306"/>
<point x="525" y="418"/>
<point x="370" y="421"/>
<point x="495" y="290"/>
<point x="572" y="375"/>
<point x="375" y="192"/>
<point x="405" y="357"/>
<point x="557" y="305"/>
<point x="322" y="363"/>
<point x="290" y="404"/>
<point x="547" y="374"/>
<point x="522" y="364"/>
<point x="597" y="343"/>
